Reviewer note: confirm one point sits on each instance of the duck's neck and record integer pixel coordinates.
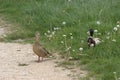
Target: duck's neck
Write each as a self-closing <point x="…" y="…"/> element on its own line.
<point x="37" y="39"/>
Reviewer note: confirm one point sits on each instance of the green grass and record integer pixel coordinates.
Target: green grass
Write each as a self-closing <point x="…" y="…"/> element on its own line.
<point x="79" y="15"/>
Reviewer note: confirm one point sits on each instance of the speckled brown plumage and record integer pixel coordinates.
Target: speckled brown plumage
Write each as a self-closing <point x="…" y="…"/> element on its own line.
<point x="38" y="49"/>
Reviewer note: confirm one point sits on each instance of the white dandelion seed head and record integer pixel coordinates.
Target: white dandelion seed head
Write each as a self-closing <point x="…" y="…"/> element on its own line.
<point x="48" y="31"/>
<point x="53" y="33"/>
<point x="70" y="34"/>
<point x="62" y="42"/>
<point x="71" y="37"/>
<point x="108" y="33"/>
<point x="64" y="35"/>
<point x="45" y="34"/>
<point x="99" y="34"/>
<point x="114" y="40"/>
<point x="119" y="78"/>
<point x="81" y="49"/>
<point x="82" y="41"/>
<point x="55" y="28"/>
<point x="69" y="0"/>
<point x="63" y="22"/>
<point x="118" y="22"/>
<point x="88" y="33"/>
<point x="50" y="36"/>
<point x="70" y="57"/>
<point x="73" y="50"/>
<point x="96" y="31"/>
<point x="68" y="48"/>
<point x="114" y="72"/>
<point x="118" y="26"/>
<point x="107" y="37"/>
<point x="115" y="28"/>
<point x="98" y="23"/>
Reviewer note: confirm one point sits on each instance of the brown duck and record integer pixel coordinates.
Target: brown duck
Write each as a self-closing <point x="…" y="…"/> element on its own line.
<point x="38" y="49"/>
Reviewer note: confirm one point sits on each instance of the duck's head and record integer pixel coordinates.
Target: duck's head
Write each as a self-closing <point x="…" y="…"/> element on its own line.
<point x="37" y="36"/>
<point x="91" y="32"/>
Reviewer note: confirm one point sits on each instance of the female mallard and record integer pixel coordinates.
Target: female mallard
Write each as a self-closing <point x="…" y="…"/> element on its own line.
<point x="38" y="49"/>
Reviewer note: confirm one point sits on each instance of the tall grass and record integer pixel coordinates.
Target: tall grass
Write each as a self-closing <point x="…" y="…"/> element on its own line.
<point x="79" y="16"/>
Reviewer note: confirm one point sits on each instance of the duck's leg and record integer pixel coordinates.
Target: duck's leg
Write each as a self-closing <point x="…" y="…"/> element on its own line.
<point x="38" y="59"/>
<point x="42" y="58"/>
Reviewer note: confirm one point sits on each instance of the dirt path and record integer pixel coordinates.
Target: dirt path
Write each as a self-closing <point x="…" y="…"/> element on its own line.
<point x="17" y="62"/>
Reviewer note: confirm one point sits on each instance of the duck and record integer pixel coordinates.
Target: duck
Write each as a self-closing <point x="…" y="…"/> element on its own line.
<point x="92" y="41"/>
<point x="40" y="51"/>
<point x="97" y="40"/>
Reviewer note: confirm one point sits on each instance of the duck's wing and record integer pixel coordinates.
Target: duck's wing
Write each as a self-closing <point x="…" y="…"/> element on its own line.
<point x="43" y="50"/>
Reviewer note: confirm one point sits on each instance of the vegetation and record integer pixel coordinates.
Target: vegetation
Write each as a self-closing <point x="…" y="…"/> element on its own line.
<point x="63" y="25"/>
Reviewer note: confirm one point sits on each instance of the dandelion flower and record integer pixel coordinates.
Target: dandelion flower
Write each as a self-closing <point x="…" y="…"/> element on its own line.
<point x="118" y="26"/>
<point x="107" y="37"/>
<point x="71" y="34"/>
<point x="99" y="33"/>
<point x="96" y="31"/>
<point x="73" y="50"/>
<point x="48" y="31"/>
<point x="71" y="37"/>
<point x="113" y="40"/>
<point x="45" y="34"/>
<point x="55" y="28"/>
<point x="71" y="58"/>
<point x="98" y="23"/>
<point x="88" y="32"/>
<point x="82" y="41"/>
<point x="53" y="33"/>
<point x="115" y="28"/>
<point x="118" y="22"/>
<point x="50" y="36"/>
<point x="63" y="22"/>
<point x="81" y="49"/>
<point x="64" y="35"/>
<point x="69" y="0"/>
<point x="114" y="72"/>
<point x="108" y="33"/>
<point x="62" y="42"/>
<point x="68" y="48"/>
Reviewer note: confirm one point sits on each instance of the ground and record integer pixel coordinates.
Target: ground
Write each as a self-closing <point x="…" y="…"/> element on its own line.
<point x="18" y="62"/>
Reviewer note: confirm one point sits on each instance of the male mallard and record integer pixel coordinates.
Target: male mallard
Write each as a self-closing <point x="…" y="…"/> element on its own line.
<point x="91" y="40"/>
<point x="38" y="49"/>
